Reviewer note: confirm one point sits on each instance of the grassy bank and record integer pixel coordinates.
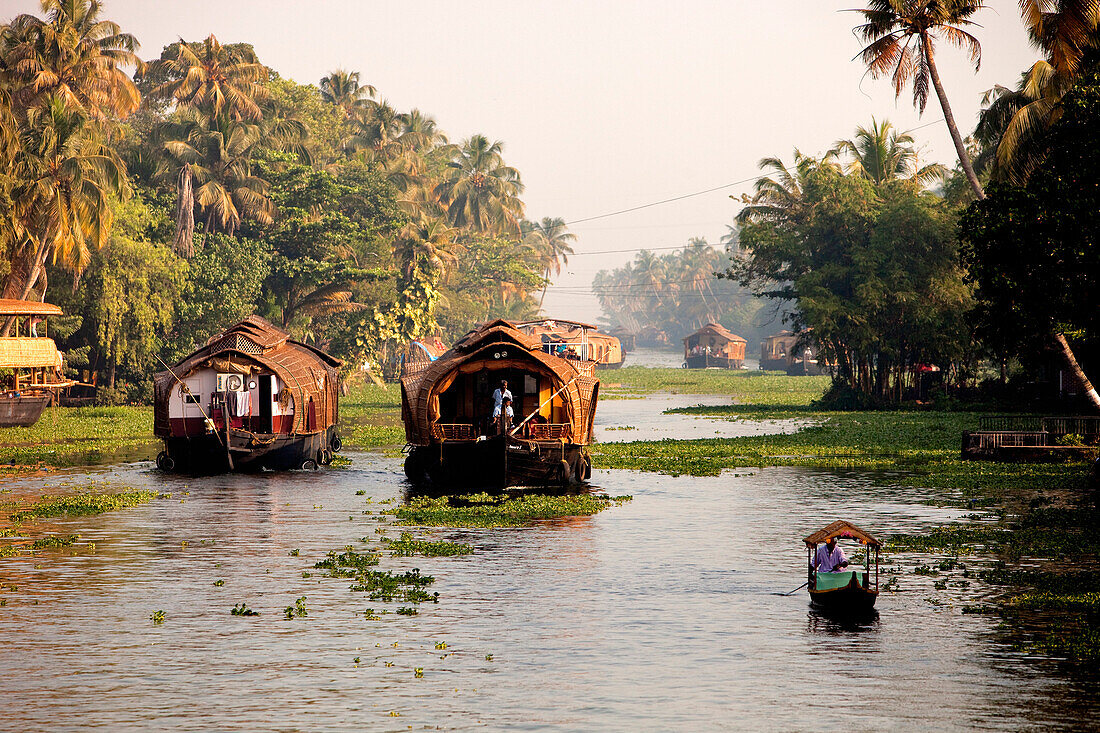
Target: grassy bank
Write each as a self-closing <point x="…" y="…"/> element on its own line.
<point x="370" y="417"/>
<point x="80" y="436"/>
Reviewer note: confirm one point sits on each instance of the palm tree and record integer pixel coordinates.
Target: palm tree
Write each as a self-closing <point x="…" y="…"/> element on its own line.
<point x="376" y="131"/>
<point x="480" y="191"/>
<point x="343" y="89"/>
<point x="66" y="178"/>
<point x="551" y="240"/>
<point x="779" y="198"/>
<point x="880" y="153"/>
<point x="71" y="56"/>
<point x="901" y="37"/>
<point x="1014" y="120"/>
<point x="223" y="82"/>
<point x="214" y="163"/>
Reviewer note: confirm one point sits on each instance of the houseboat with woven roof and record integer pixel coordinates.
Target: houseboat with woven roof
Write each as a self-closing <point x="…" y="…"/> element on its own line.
<point x="252" y="398"/>
<point x="714" y="346"/>
<point x="577" y="340"/>
<point x="448" y="410"/>
<point x="33" y="365"/>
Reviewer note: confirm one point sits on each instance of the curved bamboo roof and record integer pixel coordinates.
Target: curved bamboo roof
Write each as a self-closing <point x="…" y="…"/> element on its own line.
<point x="719" y="330"/>
<point x="10" y="307"/>
<point x="498" y="344"/>
<point x="840" y="528"/>
<point x="255" y="343"/>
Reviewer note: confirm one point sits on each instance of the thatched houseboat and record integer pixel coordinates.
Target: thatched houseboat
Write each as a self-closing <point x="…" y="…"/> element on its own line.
<point x="33" y="362"/>
<point x="448" y="414"/>
<point x="627" y="339"/>
<point x="576" y="340"/>
<point x="252" y="398"/>
<point x="419" y="354"/>
<point x="714" y="345"/>
<point x="775" y="351"/>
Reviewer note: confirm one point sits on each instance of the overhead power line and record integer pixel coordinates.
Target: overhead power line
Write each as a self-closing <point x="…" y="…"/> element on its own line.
<point x="704" y="192"/>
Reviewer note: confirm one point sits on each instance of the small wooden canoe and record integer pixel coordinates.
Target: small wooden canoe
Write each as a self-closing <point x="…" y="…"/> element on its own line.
<point x="847" y="591"/>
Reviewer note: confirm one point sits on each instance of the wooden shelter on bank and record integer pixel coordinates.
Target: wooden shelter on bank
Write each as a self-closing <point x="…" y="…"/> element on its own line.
<point x="251" y="398"/>
<point x="714" y="345"/>
<point x="448" y="414"/>
<point x="34" y="365"/>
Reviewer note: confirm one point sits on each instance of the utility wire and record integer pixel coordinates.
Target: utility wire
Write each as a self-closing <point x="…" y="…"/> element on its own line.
<point x="701" y="193"/>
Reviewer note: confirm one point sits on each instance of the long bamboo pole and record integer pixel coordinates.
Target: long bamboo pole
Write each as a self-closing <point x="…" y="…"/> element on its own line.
<point x="537" y="409"/>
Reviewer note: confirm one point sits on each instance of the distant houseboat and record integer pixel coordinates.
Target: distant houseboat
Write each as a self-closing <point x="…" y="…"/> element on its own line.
<point x="419" y="354"/>
<point x="627" y="339"/>
<point x="448" y="414"/>
<point x="714" y="345"/>
<point x="577" y="340"/>
<point x="252" y="398"/>
<point x="775" y="351"/>
<point x="34" y="362"/>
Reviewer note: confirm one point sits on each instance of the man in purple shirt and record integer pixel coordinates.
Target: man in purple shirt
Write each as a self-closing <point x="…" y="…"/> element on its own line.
<point x="830" y="558"/>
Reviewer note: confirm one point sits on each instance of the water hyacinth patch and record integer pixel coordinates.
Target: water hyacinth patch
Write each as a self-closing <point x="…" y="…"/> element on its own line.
<point x="486" y="510"/>
<point x="87" y="502"/>
<point x="387" y="586"/>
<point x="348" y="564"/>
<point x="408" y="546"/>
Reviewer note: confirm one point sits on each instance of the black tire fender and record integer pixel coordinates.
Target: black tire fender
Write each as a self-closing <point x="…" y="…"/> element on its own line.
<point x="165" y="462"/>
<point x="309" y="465"/>
<point x="336" y="445"/>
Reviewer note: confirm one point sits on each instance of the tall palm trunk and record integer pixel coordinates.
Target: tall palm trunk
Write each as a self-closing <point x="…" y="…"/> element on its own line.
<point x="545" y="285"/>
<point x="183" y="243"/>
<point x="949" y="117"/>
<point x="1075" y="368"/>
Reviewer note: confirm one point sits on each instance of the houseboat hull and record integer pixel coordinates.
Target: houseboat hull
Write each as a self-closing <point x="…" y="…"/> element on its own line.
<point x="773" y="365"/>
<point x="22" y="411"/>
<point x="498" y="463"/>
<point x="853" y="598"/>
<point x="709" y="361"/>
<point x="810" y="367"/>
<point x="206" y="454"/>
<point x="611" y="365"/>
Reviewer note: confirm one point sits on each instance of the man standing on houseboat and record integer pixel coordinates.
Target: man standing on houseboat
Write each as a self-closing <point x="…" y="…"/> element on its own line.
<point x="500" y="394"/>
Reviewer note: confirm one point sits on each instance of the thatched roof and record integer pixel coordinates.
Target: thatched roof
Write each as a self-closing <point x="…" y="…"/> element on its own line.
<point x="841" y="528"/>
<point x="254" y="344"/>
<point x="9" y="307"/>
<point x="718" y="330"/>
<point x="28" y="352"/>
<point x="498" y="344"/>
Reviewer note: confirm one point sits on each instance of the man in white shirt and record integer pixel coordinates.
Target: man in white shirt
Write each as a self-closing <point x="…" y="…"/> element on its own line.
<point x="830" y="558"/>
<point x="499" y="394"/>
<point x="503" y="415"/>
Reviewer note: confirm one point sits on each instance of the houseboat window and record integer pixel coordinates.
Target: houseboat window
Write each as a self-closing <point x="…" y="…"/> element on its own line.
<point x="191" y="399"/>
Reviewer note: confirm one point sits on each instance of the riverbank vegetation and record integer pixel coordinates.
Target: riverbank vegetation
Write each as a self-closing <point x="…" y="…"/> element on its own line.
<point x="156" y="200"/>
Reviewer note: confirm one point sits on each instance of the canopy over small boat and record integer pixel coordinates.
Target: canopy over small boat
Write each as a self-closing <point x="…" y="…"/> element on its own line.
<point x="841" y="529"/>
<point x="846" y="590"/>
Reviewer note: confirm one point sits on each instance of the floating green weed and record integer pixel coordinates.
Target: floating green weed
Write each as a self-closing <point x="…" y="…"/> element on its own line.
<point x="157" y="617"/>
<point x="85" y="503"/>
<point x="81" y="436"/>
<point x="386" y="586"/>
<point x="54" y="541"/>
<point x="408" y="546"/>
<point x="242" y="610"/>
<point x="405" y="611"/>
<point x="298" y="609"/>
<point x="219" y="583"/>
<point x="348" y="564"/>
<point x="485" y="510"/>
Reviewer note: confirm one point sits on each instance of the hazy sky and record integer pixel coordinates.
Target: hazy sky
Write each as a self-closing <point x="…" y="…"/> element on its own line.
<point x="604" y="106"/>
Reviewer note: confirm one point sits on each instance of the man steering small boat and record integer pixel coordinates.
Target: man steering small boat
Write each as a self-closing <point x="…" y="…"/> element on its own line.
<point x="830" y="557"/>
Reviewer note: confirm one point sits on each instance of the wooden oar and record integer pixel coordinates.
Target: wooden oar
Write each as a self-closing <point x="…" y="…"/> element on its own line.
<point x="793" y="591"/>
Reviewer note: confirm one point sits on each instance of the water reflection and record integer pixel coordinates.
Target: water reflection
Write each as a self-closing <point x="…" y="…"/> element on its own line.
<point x="660" y="614"/>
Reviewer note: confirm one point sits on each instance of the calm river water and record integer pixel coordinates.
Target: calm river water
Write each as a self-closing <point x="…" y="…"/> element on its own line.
<point x="661" y="614"/>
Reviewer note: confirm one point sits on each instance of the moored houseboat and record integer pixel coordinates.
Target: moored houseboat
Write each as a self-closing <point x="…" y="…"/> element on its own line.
<point x="576" y="340"/>
<point x="35" y="366"/>
<point x="775" y="351"/>
<point x="251" y="398"/>
<point x="448" y="414"/>
<point x="714" y="346"/>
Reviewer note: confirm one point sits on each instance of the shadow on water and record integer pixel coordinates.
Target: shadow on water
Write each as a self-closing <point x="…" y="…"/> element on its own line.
<point x="834" y="624"/>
